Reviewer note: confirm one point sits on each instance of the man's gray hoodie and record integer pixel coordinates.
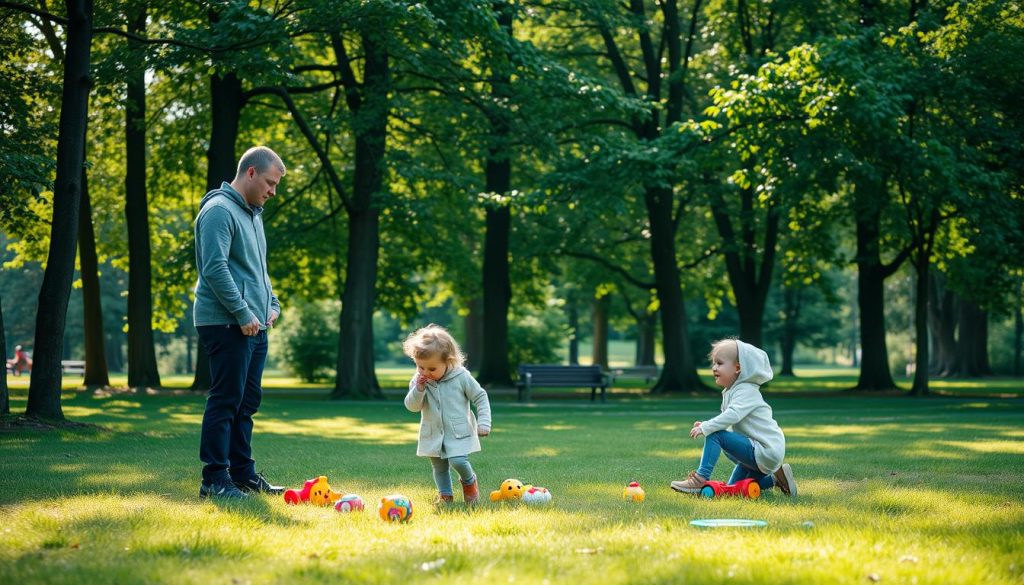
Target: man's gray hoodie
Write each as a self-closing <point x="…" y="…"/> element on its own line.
<point x="231" y="258"/>
<point x="745" y="411"/>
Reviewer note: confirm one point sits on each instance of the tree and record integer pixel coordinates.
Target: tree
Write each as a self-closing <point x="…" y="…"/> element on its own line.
<point x="142" y="369"/>
<point x="45" y="387"/>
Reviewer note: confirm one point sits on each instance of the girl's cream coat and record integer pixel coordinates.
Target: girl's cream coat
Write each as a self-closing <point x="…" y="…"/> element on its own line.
<point x="446" y="421"/>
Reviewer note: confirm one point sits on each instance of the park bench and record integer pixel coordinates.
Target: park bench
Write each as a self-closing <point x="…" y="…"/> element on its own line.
<point x="73" y="366"/>
<point x="556" y="376"/>
<point x="648" y="373"/>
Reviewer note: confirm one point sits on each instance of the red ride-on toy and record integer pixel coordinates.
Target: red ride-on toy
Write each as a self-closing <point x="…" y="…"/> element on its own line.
<point x="748" y="488"/>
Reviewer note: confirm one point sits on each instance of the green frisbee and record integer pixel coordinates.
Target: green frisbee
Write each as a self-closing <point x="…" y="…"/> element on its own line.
<point x="728" y="523"/>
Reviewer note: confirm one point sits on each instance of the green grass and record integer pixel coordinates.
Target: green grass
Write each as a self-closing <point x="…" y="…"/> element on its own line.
<point x="899" y="489"/>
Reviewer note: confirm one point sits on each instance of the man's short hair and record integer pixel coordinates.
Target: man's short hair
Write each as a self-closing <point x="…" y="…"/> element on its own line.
<point x="260" y="158"/>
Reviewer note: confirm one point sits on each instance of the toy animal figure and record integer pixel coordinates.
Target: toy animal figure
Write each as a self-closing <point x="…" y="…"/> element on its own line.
<point x="633" y="492"/>
<point x="536" y="495"/>
<point x="747" y="488"/>
<point x="511" y="489"/>
<point x="315" y="491"/>
<point x="350" y="503"/>
<point x="395" y="508"/>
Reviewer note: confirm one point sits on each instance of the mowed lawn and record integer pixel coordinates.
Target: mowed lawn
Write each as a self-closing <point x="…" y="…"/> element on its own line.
<point x="893" y="490"/>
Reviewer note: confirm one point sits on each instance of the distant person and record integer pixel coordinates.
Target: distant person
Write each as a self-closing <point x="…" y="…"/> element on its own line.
<point x="235" y="305"/>
<point x="745" y="430"/>
<point x="442" y="391"/>
<point x="21" y="362"/>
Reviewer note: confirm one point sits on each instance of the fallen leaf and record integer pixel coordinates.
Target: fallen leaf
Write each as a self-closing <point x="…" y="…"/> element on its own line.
<point x="908" y="559"/>
<point x="874" y="577"/>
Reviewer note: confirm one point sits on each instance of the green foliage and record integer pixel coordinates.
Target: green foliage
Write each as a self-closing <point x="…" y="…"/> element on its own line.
<point x="310" y="344"/>
<point x="535" y="334"/>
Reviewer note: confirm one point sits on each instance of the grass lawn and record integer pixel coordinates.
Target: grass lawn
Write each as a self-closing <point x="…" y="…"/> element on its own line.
<point x="895" y="490"/>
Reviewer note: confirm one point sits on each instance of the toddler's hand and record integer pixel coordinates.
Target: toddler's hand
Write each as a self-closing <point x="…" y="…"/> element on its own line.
<point x="421" y="382"/>
<point x="483" y="431"/>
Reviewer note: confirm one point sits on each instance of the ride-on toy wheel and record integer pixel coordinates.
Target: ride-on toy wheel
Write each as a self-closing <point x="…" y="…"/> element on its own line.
<point x="707" y="491"/>
<point x="753" y="490"/>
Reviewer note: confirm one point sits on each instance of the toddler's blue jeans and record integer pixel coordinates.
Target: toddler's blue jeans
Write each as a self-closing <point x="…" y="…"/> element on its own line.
<point x="443" y="477"/>
<point x="740" y="450"/>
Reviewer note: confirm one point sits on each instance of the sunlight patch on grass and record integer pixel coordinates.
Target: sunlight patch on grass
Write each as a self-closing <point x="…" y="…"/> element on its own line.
<point x="344" y="427"/>
<point x="543" y="452"/>
<point x="1012" y="447"/>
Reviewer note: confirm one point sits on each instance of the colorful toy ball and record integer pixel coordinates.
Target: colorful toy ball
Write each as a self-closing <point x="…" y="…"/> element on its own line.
<point x="511" y="489"/>
<point x="395" y="508"/>
<point x="633" y="492"/>
<point x="536" y="495"/>
<point x="350" y="503"/>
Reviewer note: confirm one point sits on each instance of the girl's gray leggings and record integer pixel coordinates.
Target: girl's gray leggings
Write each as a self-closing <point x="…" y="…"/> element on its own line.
<point x="443" y="477"/>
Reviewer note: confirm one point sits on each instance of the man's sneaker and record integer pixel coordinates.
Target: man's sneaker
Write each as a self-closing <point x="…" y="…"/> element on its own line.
<point x="470" y="491"/>
<point x="690" y="485"/>
<point x="784" y="480"/>
<point x="226" y="490"/>
<point x="258" y="483"/>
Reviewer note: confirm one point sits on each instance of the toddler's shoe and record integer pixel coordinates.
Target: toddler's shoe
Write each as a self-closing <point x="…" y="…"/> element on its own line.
<point x="690" y="485"/>
<point x="784" y="480"/>
<point x="470" y="491"/>
<point x="443" y="501"/>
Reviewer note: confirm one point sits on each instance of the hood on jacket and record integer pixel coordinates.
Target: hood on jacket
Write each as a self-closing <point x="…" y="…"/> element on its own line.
<point x="228" y="192"/>
<point x="754" y="365"/>
<point x="452" y="373"/>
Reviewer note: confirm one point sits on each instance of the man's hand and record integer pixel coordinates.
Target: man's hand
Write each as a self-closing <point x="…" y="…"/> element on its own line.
<point x="251" y="328"/>
<point x="696" y="431"/>
<point x="273" y="319"/>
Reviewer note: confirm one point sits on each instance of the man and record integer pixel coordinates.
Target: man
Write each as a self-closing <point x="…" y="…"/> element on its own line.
<point x="235" y="305"/>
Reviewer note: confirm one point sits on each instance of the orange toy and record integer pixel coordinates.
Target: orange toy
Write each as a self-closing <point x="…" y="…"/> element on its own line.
<point x="511" y="489"/>
<point x="315" y="491"/>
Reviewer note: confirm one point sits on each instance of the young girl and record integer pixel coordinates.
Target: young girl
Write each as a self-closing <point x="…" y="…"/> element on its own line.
<point x="745" y="430"/>
<point x="441" y="391"/>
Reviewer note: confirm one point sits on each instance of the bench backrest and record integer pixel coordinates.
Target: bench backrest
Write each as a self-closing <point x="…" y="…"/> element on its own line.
<point x="541" y="374"/>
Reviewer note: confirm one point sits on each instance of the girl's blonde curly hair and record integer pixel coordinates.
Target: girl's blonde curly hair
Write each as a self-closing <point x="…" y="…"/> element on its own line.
<point x="433" y="341"/>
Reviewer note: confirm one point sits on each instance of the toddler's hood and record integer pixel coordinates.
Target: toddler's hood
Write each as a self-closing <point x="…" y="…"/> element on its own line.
<point x="754" y="365"/>
<point x="452" y="373"/>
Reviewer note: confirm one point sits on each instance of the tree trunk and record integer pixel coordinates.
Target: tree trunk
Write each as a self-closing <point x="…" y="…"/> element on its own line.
<point x="972" y="347"/>
<point x="95" y="348"/>
<point x="599" y="319"/>
<point x="750" y="278"/>
<point x="646" y="334"/>
<point x="356" y="377"/>
<point x="1018" y="330"/>
<point x="497" y="286"/>
<point x="142" y="368"/>
<point x="679" y="373"/>
<point x="791" y="309"/>
<point x="474" y="333"/>
<point x="574" y="326"/>
<point x="44" y="389"/>
<point x="920" y="385"/>
<point x="871" y="274"/>
<point x="5" y="400"/>
<point x="226" y="103"/>
<point x="942" y="318"/>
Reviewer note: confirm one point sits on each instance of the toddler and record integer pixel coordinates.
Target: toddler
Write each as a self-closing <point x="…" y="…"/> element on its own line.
<point x="745" y="430"/>
<point x="441" y="391"/>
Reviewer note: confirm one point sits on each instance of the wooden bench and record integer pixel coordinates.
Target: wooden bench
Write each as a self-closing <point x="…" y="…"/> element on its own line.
<point x="555" y="376"/>
<point x="648" y="373"/>
<point x="73" y="366"/>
